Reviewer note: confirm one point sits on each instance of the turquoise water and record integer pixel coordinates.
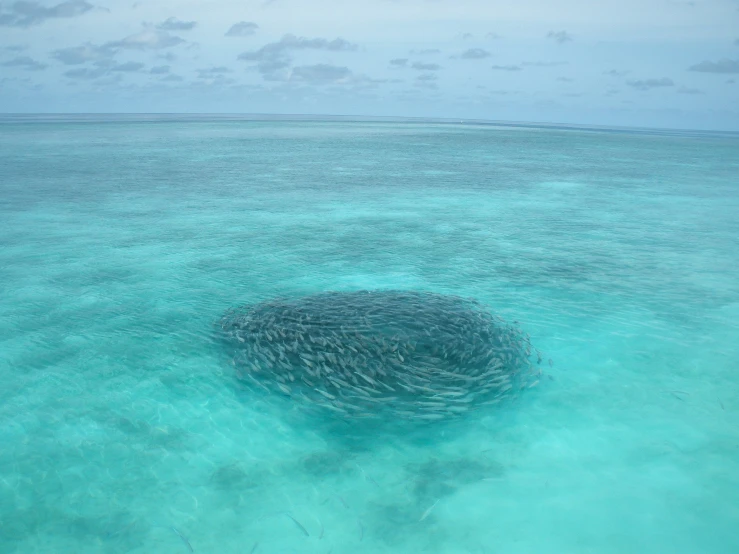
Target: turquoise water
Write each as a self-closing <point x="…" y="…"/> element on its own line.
<point x="124" y="429"/>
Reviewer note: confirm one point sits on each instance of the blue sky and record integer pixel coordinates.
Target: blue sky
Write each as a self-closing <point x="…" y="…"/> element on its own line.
<point x="654" y="63"/>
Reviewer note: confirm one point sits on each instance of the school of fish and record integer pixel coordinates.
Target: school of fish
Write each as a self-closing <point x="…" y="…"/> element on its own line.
<point x="370" y="354"/>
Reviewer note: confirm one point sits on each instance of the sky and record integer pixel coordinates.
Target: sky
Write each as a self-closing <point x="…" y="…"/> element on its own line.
<point x="643" y="63"/>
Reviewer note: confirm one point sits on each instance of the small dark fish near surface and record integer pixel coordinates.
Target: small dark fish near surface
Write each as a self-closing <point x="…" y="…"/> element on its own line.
<point x="300" y="525"/>
<point x="184" y="538"/>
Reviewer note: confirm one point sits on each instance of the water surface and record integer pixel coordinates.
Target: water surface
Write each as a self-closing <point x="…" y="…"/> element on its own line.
<point x="123" y="428"/>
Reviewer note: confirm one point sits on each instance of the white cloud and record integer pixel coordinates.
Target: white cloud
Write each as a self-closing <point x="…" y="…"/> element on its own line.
<point x="25" y="13"/>
<point x="242" y="29"/>
<point x="24" y="62"/>
<point x="721" y="66"/>
<point x="647" y="84"/>
<point x="320" y="73"/>
<point x="560" y="37"/>
<point x="474" y="54"/>
<point x="147" y="40"/>
<point x="174" y="24"/>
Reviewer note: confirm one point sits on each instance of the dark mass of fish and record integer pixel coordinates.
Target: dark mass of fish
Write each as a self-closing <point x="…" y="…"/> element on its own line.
<point x="366" y="354"/>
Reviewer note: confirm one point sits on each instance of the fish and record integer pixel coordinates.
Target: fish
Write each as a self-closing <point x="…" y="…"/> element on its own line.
<point x="300" y="525"/>
<point x="326" y="394"/>
<point x="356" y="347"/>
<point x="363" y="391"/>
<point x="428" y="510"/>
<point x="366" y="378"/>
<point x="184" y="538"/>
<point x="366" y="476"/>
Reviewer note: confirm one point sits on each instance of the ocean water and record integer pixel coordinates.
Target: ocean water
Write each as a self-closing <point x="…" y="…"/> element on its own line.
<point x="123" y="427"/>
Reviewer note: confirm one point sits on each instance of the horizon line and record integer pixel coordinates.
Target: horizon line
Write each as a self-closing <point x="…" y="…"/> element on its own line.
<point x="420" y="119"/>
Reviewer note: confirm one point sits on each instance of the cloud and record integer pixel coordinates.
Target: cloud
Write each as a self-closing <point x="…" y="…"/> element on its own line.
<point x="647" y="84"/>
<point x="560" y="37"/>
<point x="159" y="70"/>
<point x="146" y="40"/>
<point x="274" y="50"/>
<point x="82" y="54"/>
<point x="103" y="54"/>
<point x="565" y="80"/>
<point x="336" y="45"/>
<point x="174" y="24"/>
<point x="214" y="82"/>
<point x="730" y="81"/>
<point x="721" y="66"/>
<point x="172" y="78"/>
<point x="466" y="36"/>
<point x="426" y="51"/>
<point x="686" y="90"/>
<point x="213" y="72"/>
<point x="615" y="73"/>
<point x="399" y="62"/>
<point x="543" y="64"/>
<point x="15" y="47"/>
<point x="427" y="81"/>
<point x="25" y="13"/>
<point x="493" y="36"/>
<point x="474" y="54"/>
<point x="506" y="67"/>
<point x="420" y="66"/>
<point x="24" y="62"/>
<point x="320" y="73"/>
<point x="362" y="82"/>
<point x="274" y="58"/>
<point x="274" y="70"/>
<point x="103" y="68"/>
<point x="86" y="73"/>
<point x="242" y="29"/>
<point x="127" y="67"/>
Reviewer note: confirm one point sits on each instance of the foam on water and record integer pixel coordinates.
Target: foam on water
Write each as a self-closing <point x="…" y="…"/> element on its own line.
<point x="124" y="429"/>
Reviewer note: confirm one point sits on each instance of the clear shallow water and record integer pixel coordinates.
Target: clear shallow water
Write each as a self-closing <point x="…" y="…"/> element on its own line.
<point x="120" y="418"/>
